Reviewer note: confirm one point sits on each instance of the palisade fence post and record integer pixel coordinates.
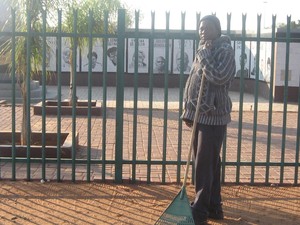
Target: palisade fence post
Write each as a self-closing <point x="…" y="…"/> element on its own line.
<point x="166" y="94"/>
<point x="150" y="114"/>
<point x="89" y="122"/>
<point x="120" y="95"/>
<point x="297" y="141"/>
<point x="197" y="41"/>
<point x="13" y="98"/>
<point x="224" y="146"/>
<point x="59" y="47"/>
<point x="181" y="86"/>
<point x="135" y="102"/>
<point x="255" y="114"/>
<point x="44" y="48"/>
<point x="28" y="72"/>
<point x="271" y="100"/>
<point x="285" y="96"/>
<point x="59" y="94"/>
<point x="240" y="125"/>
<point x="74" y="96"/>
<point x="104" y="99"/>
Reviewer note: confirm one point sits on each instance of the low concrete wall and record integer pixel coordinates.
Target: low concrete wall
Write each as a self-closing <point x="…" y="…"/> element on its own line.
<point x="249" y="87"/>
<point x="173" y="82"/>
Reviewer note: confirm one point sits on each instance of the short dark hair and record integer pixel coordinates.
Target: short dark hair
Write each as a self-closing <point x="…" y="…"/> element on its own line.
<point x="93" y="54"/>
<point x="111" y="50"/>
<point x="243" y="54"/>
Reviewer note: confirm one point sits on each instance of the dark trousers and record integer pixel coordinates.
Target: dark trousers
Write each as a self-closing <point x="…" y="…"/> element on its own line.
<point x="207" y="147"/>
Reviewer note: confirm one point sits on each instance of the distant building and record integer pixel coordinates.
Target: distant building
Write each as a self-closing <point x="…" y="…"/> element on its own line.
<point x="293" y="75"/>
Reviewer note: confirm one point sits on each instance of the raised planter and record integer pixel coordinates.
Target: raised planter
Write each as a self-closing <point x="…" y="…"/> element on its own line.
<point x="81" y="108"/>
<point x="36" y="145"/>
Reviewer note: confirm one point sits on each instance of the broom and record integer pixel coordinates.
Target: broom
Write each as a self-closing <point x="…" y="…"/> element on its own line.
<point x="179" y="211"/>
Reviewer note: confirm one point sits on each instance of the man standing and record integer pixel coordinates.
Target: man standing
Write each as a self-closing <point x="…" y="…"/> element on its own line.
<point x="215" y="61"/>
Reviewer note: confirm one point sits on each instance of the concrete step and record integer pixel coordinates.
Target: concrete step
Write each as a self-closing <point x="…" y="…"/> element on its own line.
<point x="36" y="96"/>
<point x="7" y="85"/>
<point x="6" y="91"/>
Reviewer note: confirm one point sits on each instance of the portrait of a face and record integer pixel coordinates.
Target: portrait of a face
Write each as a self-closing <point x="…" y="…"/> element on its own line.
<point x="112" y="55"/>
<point x="66" y="55"/>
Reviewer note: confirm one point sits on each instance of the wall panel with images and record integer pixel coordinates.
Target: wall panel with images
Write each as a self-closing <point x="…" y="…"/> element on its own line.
<point x="253" y="59"/>
<point x="142" y="54"/>
<point x="265" y="61"/>
<point x="160" y="56"/>
<point x="96" y="57"/>
<point x="111" y="54"/>
<point x="51" y="54"/>
<point x="187" y="56"/>
<point x="65" y="56"/>
<point x="264" y="64"/>
<point x="293" y="76"/>
<point x="294" y="65"/>
<point x="242" y="57"/>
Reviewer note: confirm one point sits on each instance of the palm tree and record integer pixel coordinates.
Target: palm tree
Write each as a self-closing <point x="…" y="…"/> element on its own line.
<point x="28" y="47"/>
<point x="80" y="11"/>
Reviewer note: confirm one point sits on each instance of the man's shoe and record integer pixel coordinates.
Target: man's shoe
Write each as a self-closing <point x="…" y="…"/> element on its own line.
<point x="216" y="214"/>
<point x="199" y="220"/>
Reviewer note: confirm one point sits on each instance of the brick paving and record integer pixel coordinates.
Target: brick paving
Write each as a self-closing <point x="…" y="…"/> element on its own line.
<point x="249" y="146"/>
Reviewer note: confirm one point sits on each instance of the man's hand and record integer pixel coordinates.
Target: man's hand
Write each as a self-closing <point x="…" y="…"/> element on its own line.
<point x="208" y="44"/>
<point x="188" y="123"/>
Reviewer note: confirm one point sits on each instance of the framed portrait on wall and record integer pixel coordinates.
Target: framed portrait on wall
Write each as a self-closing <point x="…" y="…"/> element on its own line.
<point x="187" y="59"/>
<point x="142" y="55"/>
<point x="65" y="56"/>
<point x="160" y="56"/>
<point x="96" y="57"/>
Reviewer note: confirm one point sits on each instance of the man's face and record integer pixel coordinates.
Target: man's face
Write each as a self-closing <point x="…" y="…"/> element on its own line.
<point x="94" y="61"/>
<point x="113" y="57"/>
<point x="178" y="61"/>
<point x="141" y="57"/>
<point x="243" y="60"/>
<point x="207" y="30"/>
<point x="185" y="61"/>
<point x="160" y="62"/>
<point x="66" y="56"/>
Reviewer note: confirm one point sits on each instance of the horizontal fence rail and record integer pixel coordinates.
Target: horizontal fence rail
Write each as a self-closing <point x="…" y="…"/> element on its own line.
<point x="139" y="135"/>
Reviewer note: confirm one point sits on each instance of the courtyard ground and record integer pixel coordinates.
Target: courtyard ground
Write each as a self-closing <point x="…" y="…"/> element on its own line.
<point x="92" y="203"/>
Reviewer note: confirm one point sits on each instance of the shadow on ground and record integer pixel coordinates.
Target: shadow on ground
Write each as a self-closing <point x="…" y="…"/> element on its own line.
<point x="107" y="203"/>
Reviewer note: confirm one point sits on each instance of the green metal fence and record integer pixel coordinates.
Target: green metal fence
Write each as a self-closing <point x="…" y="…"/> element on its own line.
<point x="117" y="164"/>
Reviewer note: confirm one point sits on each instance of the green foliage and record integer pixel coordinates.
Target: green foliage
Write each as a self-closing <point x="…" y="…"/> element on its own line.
<point x="28" y="19"/>
<point x="91" y="11"/>
<point x="293" y="25"/>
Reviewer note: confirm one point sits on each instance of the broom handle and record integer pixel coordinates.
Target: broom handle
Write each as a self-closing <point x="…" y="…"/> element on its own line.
<point x="197" y="113"/>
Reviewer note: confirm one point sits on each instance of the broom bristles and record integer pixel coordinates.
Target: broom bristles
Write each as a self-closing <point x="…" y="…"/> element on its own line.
<point x="178" y="212"/>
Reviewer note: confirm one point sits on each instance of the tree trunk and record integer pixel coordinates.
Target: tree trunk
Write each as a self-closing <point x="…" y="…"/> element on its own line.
<point x="72" y="72"/>
<point x="25" y="122"/>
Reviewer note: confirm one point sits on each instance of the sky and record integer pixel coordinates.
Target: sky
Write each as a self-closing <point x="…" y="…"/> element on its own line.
<point x="221" y="7"/>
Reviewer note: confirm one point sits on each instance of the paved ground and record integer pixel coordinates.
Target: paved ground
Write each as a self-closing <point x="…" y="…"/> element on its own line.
<point x="248" y="144"/>
<point x="101" y="202"/>
<point x="82" y="203"/>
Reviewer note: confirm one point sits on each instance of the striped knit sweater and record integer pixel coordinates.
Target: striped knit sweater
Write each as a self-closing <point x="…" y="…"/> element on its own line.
<point x="218" y="66"/>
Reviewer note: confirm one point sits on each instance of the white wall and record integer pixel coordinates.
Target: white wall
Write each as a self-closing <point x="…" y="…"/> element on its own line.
<point x="294" y="64"/>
